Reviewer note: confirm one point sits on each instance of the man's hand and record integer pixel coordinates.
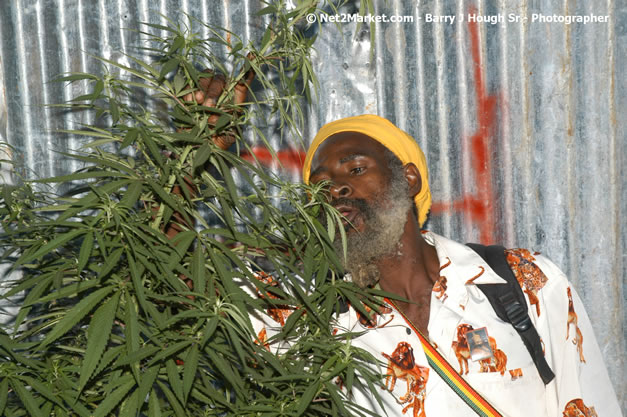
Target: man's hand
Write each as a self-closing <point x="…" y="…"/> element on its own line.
<point x="210" y="88"/>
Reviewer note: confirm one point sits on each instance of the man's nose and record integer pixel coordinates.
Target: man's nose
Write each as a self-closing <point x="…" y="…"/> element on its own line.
<point x="340" y="190"/>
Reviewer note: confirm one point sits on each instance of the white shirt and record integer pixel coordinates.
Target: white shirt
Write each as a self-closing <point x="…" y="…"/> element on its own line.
<point x="510" y="381"/>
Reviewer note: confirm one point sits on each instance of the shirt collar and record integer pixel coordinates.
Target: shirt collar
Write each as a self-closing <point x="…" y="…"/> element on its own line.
<point x="462" y="267"/>
<point x="466" y="266"/>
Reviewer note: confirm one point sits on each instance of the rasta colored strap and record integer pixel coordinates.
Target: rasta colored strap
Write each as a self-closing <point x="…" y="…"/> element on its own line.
<point x="449" y="375"/>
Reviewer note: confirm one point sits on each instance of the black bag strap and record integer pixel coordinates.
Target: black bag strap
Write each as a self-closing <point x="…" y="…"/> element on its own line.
<point x="509" y="304"/>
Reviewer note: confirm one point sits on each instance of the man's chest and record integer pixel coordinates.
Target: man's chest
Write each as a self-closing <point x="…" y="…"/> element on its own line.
<point x="504" y="374"/>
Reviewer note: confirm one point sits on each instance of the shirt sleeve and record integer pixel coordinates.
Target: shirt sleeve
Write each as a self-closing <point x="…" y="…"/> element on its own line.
<point x="581" y="386"/>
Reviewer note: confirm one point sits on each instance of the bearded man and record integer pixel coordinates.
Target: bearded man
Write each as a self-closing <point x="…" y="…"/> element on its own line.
<point x="379" y="181"/>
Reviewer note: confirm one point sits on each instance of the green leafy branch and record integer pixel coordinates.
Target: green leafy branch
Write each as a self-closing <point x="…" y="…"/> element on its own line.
<point x="144" y="286"/>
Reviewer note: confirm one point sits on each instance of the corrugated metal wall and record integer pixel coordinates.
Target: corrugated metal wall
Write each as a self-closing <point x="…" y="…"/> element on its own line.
<point x="520" y="122"/>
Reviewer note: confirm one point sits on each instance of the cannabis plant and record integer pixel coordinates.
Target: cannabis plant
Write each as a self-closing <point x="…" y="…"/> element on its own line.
<point x="144" y="283"/>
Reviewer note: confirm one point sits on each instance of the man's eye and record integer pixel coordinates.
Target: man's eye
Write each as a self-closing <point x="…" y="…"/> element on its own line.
<point x="357" y="170"/>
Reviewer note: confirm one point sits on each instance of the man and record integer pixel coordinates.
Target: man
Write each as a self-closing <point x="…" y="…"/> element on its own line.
<point x="379" y="182"/>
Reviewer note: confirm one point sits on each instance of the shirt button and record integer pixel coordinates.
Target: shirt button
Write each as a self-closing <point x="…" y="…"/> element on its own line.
<point x="408" y="330"/>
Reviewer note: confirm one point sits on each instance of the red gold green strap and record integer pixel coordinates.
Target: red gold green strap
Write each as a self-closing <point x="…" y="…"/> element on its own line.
<point x="452" y="378"/>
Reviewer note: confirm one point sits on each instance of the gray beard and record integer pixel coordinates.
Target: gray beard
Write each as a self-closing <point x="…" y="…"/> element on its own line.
<point x="385" y="222"/>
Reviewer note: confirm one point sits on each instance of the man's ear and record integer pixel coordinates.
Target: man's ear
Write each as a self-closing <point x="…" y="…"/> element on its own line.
<point x="414" y="180"/>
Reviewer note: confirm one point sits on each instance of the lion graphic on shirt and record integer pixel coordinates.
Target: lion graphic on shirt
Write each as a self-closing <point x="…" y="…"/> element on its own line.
<point x="402" y="365"/>
<point x="572" y="319"/>
<point x="576" y="408"/>
<point x="440" y="287"/>
<point x="460" y="347"/>
<point x="371" y="320"/>
<point x="528" y="274"/>
<point x="496" y="363"/>
<point x="278" y="313"/>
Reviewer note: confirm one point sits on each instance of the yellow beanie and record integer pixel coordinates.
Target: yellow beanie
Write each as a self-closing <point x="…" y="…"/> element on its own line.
<point x="385" y="132"/>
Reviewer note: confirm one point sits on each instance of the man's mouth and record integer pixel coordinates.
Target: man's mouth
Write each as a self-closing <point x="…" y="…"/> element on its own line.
<point x="349" y="213"/>
<point x="354" y="211"/>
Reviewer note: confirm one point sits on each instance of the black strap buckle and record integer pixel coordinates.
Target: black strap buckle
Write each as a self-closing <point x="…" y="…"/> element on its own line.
<point x="515" y="312"/>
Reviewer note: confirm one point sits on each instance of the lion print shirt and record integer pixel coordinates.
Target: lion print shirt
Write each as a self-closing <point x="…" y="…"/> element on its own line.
<point x="507" y="376"/>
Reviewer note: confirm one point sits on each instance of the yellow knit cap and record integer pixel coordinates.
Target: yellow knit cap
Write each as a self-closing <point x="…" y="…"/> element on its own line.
<point x="390" y="136"/>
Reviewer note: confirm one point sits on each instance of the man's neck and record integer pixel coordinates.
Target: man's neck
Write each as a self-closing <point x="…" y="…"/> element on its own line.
<point x="410" y="272"/>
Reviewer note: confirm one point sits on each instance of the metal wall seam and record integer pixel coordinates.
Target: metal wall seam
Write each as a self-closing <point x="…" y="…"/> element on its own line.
<point x="464" y="104"/>
<point x="505" y="129"/>
<point x="442" y="119"/>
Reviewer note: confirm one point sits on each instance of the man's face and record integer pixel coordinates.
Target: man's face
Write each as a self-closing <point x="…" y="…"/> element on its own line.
<point x="357" y="169"/>
<point x="372" y="197"/>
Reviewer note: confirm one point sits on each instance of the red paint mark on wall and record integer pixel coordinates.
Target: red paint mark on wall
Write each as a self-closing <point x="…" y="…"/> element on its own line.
<point x="290" y="159"/>
<point x="478" y="205"/>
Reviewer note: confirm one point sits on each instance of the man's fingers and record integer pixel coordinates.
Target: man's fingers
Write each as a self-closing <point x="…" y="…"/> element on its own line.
<point x="203" y="82"/>
<point x="209" y="90"/>
<point x="224" y="141"/>
<point x="241" y="88"/>
<point x="215" y="88"/>
<point x="213" y="119"/>
<point x="199" y="96"/>
<point x="203" y="85"/>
